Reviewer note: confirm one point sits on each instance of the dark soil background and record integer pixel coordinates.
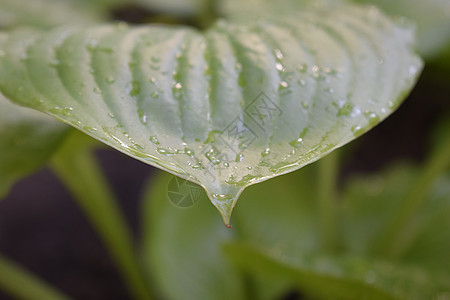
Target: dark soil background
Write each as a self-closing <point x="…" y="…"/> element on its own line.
<point x="42" y="229"/>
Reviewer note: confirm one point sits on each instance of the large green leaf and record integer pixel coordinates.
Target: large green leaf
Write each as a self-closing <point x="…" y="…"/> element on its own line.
<point x="226" y="108"/>
<point x="344" y="277"/>
<point x="433" y="21"/>
<point x="51" y="13"/>
<point x="46" y="13"/>
<point x="236" y="9"/>
<point x="428" y="242"/>
<point x="372" y="200"/>
<point x="27" y="140"/>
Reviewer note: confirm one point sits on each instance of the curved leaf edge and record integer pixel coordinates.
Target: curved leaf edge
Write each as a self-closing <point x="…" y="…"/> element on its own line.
<point x="225" y="207"/>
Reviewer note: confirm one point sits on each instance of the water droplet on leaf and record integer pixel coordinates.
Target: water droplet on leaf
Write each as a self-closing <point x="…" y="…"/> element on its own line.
<point x="296" y="143"/>
<point x="154" y="140"/>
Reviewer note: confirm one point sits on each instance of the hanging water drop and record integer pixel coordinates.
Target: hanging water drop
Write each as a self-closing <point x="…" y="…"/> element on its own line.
<point x="198" y="166"/>
<point x="357" y="130"/>
<point x="154" y="140"/>
<point x="374" y="119"/>
<point x="64" y="112"/>
<point x="164" y="151"/>
<point x="265" y="152"/>
<point x="211" y="155"/>
<point x="142" y="117"/>
<point x="189" y="152"/>
<point x="239" y="158"/>
<point x="90" y="129"/>
<point x="296" y="143"/>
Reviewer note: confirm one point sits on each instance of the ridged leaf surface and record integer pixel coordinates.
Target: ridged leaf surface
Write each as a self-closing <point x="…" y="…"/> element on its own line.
<point x="234" y="105"/>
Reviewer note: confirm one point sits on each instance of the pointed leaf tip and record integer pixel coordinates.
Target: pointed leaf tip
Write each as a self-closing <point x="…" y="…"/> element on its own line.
<point x="224" y="206"/>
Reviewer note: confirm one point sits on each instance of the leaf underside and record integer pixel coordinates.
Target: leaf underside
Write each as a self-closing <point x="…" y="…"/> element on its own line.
<point x="234" y="105"/>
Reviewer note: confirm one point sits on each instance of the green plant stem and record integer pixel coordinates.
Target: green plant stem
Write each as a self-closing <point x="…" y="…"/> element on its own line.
<point x="80" y="172"/>
<point x="21" y="284"/>
<point x="327" y="196"/>
<point x="209" y="14"/>
<point x="388" y="242"/>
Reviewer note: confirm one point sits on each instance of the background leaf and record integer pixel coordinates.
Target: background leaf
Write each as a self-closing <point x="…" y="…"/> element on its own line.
<point x="337" y="277"/>
<point x="371" y="201"/>
<point x="277" y="244"/>
<point x="432" y="18"/>
<point x="27" y="140"/>
<point x="46" y="13"/>
<point x="227" y="108"/>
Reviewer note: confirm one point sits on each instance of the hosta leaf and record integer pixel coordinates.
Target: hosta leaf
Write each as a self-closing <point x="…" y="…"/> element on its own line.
<point x="236" y="9"/>
<point x="429" y="236"/>
<point x="345" y="277"/>
<point x="45" y="13"/>
<point x="433" y="21"/>
<point x="370" y="201"/>
<point x="27" y="140"/>
<point x="225" y="108"/>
